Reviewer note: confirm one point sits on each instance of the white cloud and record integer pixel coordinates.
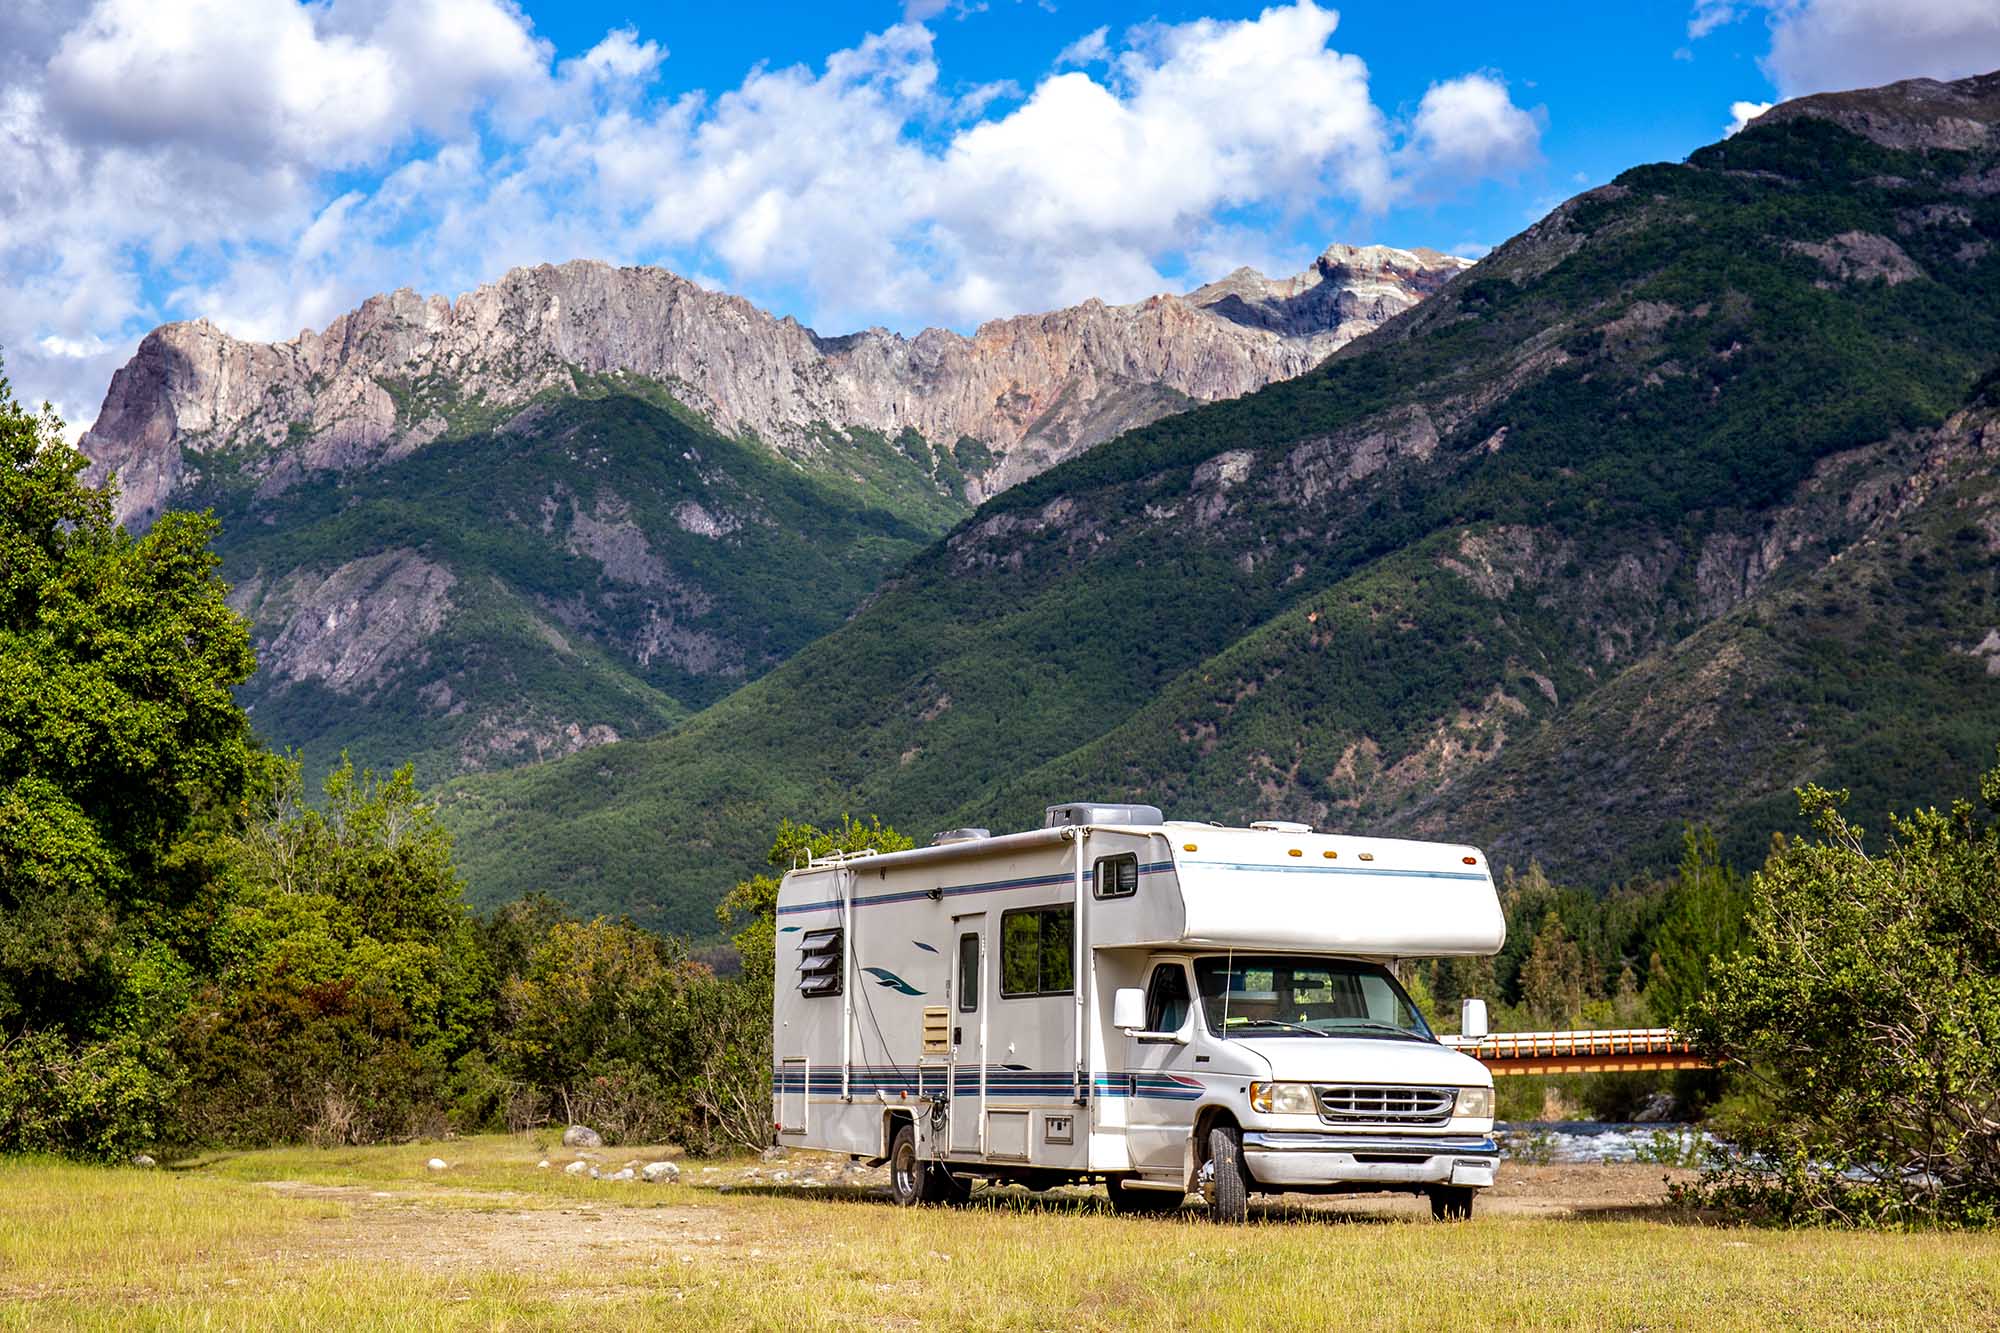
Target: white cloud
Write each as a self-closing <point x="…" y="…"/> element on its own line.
<point x="268" y="163"/>
<point x="1089" y="49"/>
<point x="1829" y="45"/>
<point x="1742" y="113"/>
<point x="1710" y="15"/>
<point x="1470" y="127"/>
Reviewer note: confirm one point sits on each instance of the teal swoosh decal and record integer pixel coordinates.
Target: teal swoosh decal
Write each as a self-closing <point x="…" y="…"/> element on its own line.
<point x="890" y="981"/>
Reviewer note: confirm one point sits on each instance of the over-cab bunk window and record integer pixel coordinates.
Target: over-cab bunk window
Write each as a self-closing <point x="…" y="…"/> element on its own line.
<point x="1117" y="876"/>
<point x="819" y="962"/>
<point x="1035" y="948"/>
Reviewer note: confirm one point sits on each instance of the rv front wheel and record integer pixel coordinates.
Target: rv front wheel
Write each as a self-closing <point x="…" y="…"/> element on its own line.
<point x="1225" y="1182"/>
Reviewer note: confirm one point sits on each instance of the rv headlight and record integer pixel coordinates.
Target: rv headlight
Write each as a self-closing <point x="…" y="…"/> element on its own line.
<point x="1282" y="1098"/>
<point x="1475" y="1102"/>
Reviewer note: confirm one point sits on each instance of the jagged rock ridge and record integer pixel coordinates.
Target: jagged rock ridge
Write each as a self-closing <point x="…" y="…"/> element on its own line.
<point x="404" y="370"/>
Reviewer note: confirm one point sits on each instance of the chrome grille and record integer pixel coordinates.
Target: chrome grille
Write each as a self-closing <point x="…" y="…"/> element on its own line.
<point x="1359" y="1103"/>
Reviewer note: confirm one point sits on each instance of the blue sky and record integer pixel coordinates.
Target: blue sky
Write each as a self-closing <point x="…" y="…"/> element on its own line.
<point x="269" y="163"/>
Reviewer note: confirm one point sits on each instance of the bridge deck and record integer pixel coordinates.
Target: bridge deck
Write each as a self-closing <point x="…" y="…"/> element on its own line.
<point x="1590" y="1051"/>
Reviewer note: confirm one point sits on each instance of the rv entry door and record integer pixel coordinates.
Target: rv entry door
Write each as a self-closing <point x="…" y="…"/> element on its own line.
<point x="968" y="1033"/>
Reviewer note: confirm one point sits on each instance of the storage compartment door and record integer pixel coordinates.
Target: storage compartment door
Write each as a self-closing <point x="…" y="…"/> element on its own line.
<point x="793" y="1079"/>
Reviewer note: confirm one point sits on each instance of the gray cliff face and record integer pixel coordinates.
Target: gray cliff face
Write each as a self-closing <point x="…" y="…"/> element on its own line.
<point x="390" y="377"/>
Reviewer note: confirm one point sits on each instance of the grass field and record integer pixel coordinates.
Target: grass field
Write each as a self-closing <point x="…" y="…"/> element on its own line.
<point x="369" y="1238"/>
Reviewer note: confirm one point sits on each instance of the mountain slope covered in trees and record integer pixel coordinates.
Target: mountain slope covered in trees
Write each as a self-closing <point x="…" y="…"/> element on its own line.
<point x="1683" y="496"/>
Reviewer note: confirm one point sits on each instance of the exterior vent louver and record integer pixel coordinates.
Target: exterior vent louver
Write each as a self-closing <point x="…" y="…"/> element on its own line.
<point x="819" y="962"/>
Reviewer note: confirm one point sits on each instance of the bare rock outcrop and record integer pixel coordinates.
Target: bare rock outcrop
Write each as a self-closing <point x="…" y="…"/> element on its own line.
<point x="386" y="378"/>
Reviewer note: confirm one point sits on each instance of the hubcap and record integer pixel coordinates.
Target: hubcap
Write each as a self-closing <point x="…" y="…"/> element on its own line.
<point x="906" y="1171"/>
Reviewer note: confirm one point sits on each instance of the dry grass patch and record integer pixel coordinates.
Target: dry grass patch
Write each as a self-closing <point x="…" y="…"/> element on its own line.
<point x="370" y="1239"/>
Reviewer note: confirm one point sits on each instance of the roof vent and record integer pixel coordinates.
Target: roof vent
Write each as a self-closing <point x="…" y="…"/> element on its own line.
<point x="960" y="835"/>
<point x="1280" y="826"/>
<point x="1083" y="812"/>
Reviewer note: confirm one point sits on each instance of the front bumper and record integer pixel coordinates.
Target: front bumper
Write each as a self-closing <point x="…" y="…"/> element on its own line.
<point x="1306" y="1159"/>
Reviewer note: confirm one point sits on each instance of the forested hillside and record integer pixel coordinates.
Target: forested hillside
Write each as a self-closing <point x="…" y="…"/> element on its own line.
<point x="1683" y="496"/>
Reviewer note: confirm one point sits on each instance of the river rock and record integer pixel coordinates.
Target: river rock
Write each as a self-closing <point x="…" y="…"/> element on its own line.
<point x="1661" y="1106"/>
<point x="582" y="1136"/>
<point x="578" y="1168"/>
<point x="626" y="1173"/>
<point x="661" y="1173"/>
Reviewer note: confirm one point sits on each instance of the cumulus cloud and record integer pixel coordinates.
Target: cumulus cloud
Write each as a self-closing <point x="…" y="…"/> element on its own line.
<point x="1742" y="113"/>
<point x="1828" y="45"/>
<point x="267" y="163"/>
<point x="1470" y="127"/>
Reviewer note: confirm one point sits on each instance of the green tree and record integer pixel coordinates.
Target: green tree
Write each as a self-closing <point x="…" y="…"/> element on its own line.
<point x="122" y="754"/>
<point x="1864" y="1005"/>
<point x="1704" y="920"/>
<point x="1553" y="984"/>
<point x="343" y="979"/>
<point x="117" y="727"/>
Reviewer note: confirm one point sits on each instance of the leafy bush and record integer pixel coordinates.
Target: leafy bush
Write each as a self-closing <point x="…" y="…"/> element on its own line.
<point x="1865" y="1008"/>
<point x="99" y="1101"/>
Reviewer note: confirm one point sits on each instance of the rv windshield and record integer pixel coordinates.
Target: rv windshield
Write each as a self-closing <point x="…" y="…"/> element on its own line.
<point x="1274" y="995"/>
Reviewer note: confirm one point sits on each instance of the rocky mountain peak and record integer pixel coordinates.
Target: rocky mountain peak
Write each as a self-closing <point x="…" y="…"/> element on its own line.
<point x="1916" y="113"/>
<point x="404" y="369"/>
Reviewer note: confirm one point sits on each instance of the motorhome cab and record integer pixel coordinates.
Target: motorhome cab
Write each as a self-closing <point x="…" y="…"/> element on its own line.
<point x="1168" y="1007"/>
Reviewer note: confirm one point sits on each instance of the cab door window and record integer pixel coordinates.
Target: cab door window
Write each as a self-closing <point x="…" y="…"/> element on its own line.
<point x="1168" y="999"/>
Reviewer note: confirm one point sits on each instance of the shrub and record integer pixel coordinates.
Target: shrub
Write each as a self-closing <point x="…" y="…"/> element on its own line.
<point x="1865" y="1007"/>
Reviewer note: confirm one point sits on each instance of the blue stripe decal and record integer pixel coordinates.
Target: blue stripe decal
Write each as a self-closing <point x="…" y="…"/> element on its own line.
<point x="1342" y="870"/>
<point x="1001" y="1084"/>
<point x="927" y="948"/>
<point x="961" y="890"/>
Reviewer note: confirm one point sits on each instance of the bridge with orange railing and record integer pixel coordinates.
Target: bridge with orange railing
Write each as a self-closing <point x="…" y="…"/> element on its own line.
<point x="1596" y="1051"/>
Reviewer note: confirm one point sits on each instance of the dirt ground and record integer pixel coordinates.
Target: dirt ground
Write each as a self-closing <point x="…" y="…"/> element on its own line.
<point x="695" y="1222"/>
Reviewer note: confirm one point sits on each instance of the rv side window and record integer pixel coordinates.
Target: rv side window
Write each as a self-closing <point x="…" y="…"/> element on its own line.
<point x="819" y="962"/>
<point x="1035" y="951"/>
<point x="968" y="974"/>
<point x="1117" y="876"/>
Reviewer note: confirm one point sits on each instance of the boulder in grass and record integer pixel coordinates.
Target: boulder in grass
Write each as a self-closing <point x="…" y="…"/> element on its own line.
<point x="582" y="1136"/>
<point x="577" y="1168"/>
<point x="144" y="1162"/>
<point x="437" y="1164"/>
<point x="626" y="1174"/>
<point x="661" y="1173"/>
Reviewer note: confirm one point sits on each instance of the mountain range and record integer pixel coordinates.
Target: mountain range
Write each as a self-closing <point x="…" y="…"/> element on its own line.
<point x="1682" y="497"/>
<point x="575" y="505"/>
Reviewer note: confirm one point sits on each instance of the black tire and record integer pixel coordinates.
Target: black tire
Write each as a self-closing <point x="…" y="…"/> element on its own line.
<point x="913" y="1181"/>
<point x="1229" y="1184"/>
<point x="1452" y="1203"/>
<point x="1126" y="1200"/>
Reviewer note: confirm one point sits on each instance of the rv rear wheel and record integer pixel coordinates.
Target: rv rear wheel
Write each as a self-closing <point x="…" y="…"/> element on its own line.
<point x="913" y="1180"/>
<point x="1225" y="1183"/>
<point x="1452" y="1203"/>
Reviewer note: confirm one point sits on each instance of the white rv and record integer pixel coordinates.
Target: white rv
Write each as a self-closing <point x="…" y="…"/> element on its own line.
<point x="1167" y="1007"/>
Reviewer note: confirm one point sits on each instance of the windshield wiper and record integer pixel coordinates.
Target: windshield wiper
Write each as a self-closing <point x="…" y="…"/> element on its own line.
<point x="1281" y="1023"/>
<point x="1372" y="1023"/>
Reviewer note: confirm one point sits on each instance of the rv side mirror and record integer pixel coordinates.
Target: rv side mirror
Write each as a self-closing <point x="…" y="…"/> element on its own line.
<point x="1472" y="1018"/>
<point x="1128" y="1009"/>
